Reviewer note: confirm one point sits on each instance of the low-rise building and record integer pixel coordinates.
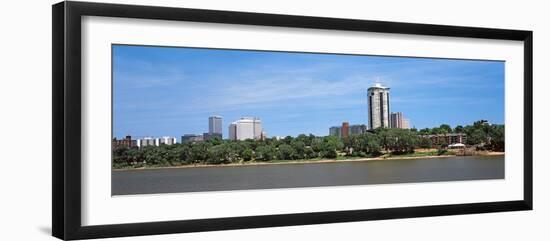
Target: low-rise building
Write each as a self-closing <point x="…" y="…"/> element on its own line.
<point x="210" y="136"/>
<point x="190" y="138"/>
<point x="446" y="139"/>
<point x="346" y="130"/>
<point x="126" y="142"/>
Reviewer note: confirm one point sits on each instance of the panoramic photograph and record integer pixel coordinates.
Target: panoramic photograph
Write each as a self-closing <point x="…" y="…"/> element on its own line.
<point x="200" y="119"/>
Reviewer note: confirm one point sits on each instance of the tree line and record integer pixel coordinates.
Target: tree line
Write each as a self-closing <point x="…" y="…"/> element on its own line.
<point x="302" y="147"/>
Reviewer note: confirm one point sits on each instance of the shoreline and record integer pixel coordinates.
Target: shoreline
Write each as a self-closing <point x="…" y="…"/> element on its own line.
<point x="293" y="162"/>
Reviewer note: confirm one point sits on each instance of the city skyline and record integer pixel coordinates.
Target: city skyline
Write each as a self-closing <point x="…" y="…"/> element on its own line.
<point x="173" y="91"/>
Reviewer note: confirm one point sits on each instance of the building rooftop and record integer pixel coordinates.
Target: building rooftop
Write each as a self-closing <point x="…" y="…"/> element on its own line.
<point x="378" y="86"/>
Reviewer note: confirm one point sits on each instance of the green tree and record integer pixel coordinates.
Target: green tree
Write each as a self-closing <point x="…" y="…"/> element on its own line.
<point x="265" y="153"/>
<point x="310" y="153"/>
<point x="476" y="137"/>
<point x="372" y="144"/>
<point x="218" y="154"/>
<point x="299" y="148"/>
<point x="425" y="131"/>
<point x="496" y="135"/>
<point x="436" y="131"/>
<point x="200" y="151"/>
<point x="156" y="156"/>
<point x="215" y="141"/>
<point x="286" y="152"/>
<point x="247" y="155"/>
<point x="425" y="143"/>
<point x="287" y="140"/>
<point x="120" y="157"/>
<point x="445" y="129"/>
<point x="317" y="144"/>
<point x="330" y="146"/>
<point x="398" y="140"/>
<point x="185" y="154"/>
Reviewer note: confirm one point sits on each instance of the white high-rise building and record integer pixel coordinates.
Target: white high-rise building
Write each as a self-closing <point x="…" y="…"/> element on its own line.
<point x="146" y="141"/>
<point x="165" y="140"/>
<point x="150" y="141"/>
<point x="246" y="128"/>
<point x="379" y="106"/>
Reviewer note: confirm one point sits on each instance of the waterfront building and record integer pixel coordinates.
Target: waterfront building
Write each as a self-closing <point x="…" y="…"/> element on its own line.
<point x="334" y="131"/>
<point x="190" y="138"/>
<point x="447" y="139"/>
<point x="165" y="140"/>
<point x="214" y="126"/>
<point x="246" y="128"/>
<point x="345" y="129"/>
<point x="126" y="142"/>
<point x="378" y="106"/>
<point x="357" y="129"/>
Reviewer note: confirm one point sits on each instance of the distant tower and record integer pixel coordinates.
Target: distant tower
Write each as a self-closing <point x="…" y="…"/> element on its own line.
<point x="215" y="126"/>
<point x="233" y="131"/>
<point x="345" y="129"/>
<point x="379" y="106"/>
<point x="398" y="120"/>
<point x="335" y="131"/>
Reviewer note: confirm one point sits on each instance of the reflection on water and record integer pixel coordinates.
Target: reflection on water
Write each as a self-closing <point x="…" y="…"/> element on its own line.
<point x="306" y="175"/>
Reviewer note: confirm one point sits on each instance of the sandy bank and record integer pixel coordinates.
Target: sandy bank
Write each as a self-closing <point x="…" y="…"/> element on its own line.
<point x="304" y="162"/>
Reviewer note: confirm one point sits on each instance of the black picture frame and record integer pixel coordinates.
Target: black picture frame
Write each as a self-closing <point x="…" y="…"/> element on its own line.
<point x="66" y="127"/>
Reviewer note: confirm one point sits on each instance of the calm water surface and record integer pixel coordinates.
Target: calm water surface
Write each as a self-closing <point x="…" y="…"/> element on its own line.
<point x="306" y="175"/>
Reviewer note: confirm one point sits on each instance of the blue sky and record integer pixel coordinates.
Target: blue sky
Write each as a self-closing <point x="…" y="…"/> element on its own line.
<point x="160" y="91"/>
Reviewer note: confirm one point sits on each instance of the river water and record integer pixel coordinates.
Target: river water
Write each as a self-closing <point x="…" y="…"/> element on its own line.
<point x="200" y="179"/>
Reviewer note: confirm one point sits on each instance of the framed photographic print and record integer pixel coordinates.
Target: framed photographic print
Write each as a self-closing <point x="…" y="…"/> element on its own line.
<point x="169" y="120"/>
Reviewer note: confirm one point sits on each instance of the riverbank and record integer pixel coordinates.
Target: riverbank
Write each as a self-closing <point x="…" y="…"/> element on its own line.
<point x="292" y="162"/>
